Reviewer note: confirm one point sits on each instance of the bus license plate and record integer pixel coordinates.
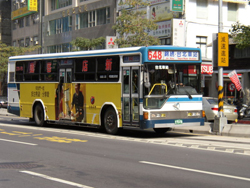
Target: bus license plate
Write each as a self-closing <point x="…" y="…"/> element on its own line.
<point x="178" y="121"/>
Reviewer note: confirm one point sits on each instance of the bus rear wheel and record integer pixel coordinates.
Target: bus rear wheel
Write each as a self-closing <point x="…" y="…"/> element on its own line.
<point x="161" y="130"/>
<point x="110" y="121"/>
<point x="39" y="115"/>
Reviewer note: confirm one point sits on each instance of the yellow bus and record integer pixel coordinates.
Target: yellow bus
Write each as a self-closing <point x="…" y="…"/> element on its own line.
<point x="154" y="87"/>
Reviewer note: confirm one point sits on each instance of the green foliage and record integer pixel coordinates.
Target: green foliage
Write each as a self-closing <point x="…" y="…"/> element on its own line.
<point x="132" y="26"/>
<point x="87" y="44"/>
<point x="241" y="35"/>
<point x="7" y="51"/>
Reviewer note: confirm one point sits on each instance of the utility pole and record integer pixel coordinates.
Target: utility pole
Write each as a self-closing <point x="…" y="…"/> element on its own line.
<point x="40" y="30"/>
<point x="221" y="120"/>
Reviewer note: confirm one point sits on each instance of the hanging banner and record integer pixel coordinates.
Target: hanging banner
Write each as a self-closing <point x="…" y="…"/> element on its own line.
<point x="234" y="78"/>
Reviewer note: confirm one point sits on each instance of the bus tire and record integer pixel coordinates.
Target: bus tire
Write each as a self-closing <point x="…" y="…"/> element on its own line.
<point x="161" y="130"/>
<point x="39" y="115"/>
<point x="110" y="121"/>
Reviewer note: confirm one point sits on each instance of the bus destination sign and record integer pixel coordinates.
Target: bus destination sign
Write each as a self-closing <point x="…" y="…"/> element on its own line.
<point x="174" y="55"/>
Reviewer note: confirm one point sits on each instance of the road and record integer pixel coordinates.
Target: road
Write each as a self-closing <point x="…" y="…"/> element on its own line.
<point x="63" y="157"/>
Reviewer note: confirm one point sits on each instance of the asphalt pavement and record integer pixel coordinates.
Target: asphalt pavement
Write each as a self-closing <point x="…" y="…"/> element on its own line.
<point x="239" y="129"/>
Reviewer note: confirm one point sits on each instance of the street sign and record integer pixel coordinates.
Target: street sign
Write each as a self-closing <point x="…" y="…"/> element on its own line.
<point x="177" y="5"/>
<point x="231" y="87"/>
<point x="223" y="51"/>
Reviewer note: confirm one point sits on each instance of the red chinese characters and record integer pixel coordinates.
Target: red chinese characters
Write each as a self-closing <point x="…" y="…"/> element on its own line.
<point x="108" y="66"/>
<point x="49" y="67"/>
<point x="32" y="67"/>
<point x="84" y="65"/>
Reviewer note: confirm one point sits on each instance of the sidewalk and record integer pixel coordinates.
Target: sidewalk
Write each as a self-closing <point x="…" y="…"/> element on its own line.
<point x="3" y="111"/>
<point x="240" y="129"/>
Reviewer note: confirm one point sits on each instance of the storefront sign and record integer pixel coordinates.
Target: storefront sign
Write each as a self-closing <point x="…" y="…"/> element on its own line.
<point x="206" y="69"/>
<point x="164" y="29"/>
<point x="177" y="5"/>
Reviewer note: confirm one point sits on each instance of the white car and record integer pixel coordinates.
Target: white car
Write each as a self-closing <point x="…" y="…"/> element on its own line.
<point x="3" y="104"/>
<point x="210" y="106"/>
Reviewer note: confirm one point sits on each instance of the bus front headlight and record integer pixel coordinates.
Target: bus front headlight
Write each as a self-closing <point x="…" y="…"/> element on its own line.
<point x="158" y="115"/>
<point x="193" y="114"/>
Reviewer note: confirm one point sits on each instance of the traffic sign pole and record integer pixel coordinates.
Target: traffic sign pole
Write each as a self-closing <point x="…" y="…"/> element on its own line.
<point x="221" y="120"/>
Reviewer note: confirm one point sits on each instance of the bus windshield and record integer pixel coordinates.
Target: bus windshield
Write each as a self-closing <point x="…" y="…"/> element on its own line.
<point x="163" y="80"/>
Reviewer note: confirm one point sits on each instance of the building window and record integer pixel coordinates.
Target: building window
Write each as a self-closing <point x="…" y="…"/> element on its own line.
<point x="27" y="42"/>
<point x="202" y="9"/>
<point x="52" y="27"/>
<point x="21" y="43"/>
<point x="67" y="47"/>
<point x="83" y="19"/>
<point x="14" y="43"/>
<point x="35" y="40"/>
<point x="21" y="22"/>
<point x="232" y="11"/>
<point x="67" y="24"/>
<point x="242" y="53"/>
<point x="103" y="16"/>
<point x="58" y="26"/>
<point x="15" y="22"/>
<point x="92" y="19"/>
<point x="165" y="41"/>
<point x="77" y="22"/>
<point x="35" y="18"/>
<point x="201" y="42"/>
<point x="27" y="21"/>
<point x="56" y="4"/>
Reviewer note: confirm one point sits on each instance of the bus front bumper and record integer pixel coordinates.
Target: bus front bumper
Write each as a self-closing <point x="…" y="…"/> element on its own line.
<point x="167" y="123"/>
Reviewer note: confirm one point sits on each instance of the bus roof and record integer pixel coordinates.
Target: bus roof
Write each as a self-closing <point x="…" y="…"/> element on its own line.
<point x="101" y="52"/>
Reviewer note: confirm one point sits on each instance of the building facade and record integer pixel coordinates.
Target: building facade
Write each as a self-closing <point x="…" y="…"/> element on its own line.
<point x="55" y="23"/>
<point x="5" y="22"/>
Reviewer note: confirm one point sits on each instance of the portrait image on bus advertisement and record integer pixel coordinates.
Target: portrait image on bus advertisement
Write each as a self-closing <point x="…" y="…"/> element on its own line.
<point x="69" y="102"/>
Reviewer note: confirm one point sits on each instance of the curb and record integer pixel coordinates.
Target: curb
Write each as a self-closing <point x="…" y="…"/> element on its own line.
<point x="237" y="130"/>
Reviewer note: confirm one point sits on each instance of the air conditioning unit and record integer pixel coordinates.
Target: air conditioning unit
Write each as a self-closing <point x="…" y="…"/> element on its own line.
<point x="16" y="21"/>
<point x="31" y="39"/>
<point x="36" y="42"/>
<point x="22" y="1"/>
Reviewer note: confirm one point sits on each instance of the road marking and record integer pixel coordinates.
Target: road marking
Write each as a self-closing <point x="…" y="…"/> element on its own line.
<point x="198" y="171"/>
<point x="55" y="179"/>
<point x="18" y="142"/>
<point x="60" y="139"/>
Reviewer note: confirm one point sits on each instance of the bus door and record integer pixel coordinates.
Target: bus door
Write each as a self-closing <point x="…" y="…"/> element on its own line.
<point x="64" y="100"/>
<point x="130" y="96"/>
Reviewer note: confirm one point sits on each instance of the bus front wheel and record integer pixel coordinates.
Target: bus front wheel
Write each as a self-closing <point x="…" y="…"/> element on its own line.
<point x="39" y="115"/>
<point x="110" y="121"/>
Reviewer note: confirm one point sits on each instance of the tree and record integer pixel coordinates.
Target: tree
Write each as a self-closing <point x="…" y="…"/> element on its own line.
<point x="241" y="35"/>
<point x="88" y="44"/>
<point x="132" y="26"/>
<point x="5" y="52"/>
